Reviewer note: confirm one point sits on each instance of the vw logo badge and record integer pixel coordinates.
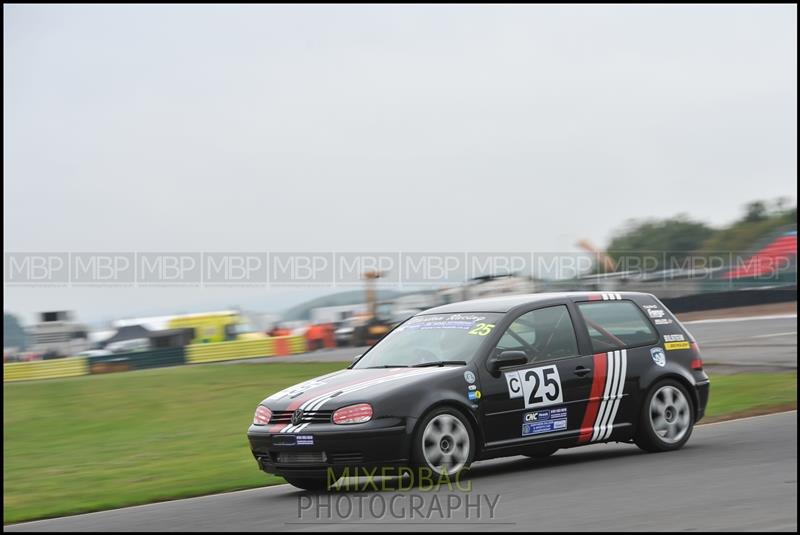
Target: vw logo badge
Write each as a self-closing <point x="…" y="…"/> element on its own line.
<point x="297" y="417"/>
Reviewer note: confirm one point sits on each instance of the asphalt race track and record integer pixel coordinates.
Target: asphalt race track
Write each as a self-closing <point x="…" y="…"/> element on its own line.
<point x="763" y="341"/>
<point x="738" y="475"/>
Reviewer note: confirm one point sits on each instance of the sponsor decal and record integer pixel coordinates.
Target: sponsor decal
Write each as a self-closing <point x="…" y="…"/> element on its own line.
<point x="469" y="377"/>
<point x="663" y="321"/>
<point x="608" y="387"/>
<point x="655" y="312"/>
<point x="670" y="346"/>
<point x="472" y="387"/>
<point x="474" y="395"/>
<point x="545" y="421"/>
<point x="658" y="356"/>
<point x="611" y="296"/>
<point x="674" y="338"/>
<point x="539" y="387"/>
<point x="305" y="440"/>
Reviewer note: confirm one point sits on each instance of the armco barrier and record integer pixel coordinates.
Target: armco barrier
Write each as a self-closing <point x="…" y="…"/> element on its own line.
<point x="45" y="369"/>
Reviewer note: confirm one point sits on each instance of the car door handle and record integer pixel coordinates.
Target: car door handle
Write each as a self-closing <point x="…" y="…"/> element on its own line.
<point x="580" y="371"/>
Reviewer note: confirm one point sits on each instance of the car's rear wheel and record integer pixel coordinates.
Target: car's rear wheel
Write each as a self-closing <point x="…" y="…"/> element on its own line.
<point x="667" y="418"/>
<point x="308" y="483"/>
<point x="444" y="442"/>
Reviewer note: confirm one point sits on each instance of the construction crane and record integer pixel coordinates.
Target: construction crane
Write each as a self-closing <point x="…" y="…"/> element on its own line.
<point x="604" y="261"/>
<point x="373" y="328"/>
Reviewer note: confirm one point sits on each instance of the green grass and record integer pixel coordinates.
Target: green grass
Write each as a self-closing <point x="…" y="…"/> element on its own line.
<point x="104" y="441"/>
<point x="99" y="442"/>
<point x="751" y="393"/>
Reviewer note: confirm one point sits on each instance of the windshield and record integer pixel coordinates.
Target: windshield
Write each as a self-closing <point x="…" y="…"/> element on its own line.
<point x="449" y="338"/>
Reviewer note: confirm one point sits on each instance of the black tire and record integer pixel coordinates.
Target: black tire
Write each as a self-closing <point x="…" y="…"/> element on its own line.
<point x="541" y="453"/>
<point x="647" y="436"/>
<point x="442" y="414"/>
<point x="309" y="483"/>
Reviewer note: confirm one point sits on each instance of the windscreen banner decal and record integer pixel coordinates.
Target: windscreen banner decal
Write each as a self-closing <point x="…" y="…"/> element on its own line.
<point x="466" y="322"/>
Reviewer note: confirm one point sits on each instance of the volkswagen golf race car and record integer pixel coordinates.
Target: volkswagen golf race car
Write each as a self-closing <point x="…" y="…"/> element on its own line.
<point x="515" y="375"/>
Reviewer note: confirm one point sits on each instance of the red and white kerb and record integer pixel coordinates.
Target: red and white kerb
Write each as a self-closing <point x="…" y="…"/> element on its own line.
<point x="608" y="386"/>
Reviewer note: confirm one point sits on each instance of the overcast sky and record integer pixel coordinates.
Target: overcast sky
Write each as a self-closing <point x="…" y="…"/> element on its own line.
<point x="379" y="128"/>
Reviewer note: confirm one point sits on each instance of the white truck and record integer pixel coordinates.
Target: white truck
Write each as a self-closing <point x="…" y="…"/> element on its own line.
<point x="58" y="335"/>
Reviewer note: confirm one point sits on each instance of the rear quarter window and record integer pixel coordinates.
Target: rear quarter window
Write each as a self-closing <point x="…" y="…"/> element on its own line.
<point x="616" y="325"/>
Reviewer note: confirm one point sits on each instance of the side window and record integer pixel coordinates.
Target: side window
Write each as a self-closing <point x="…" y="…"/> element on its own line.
<point x="616" y="325"/>
<point x="542" y="334"/>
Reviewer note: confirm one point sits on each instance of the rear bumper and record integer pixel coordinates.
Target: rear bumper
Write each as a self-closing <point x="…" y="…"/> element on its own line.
<point x="702" y="389"/>
<point x="316" y="453"/>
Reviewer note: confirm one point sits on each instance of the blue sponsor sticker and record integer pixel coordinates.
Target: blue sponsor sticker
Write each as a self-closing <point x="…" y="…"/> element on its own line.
<point x="305" y="440"/>
<point x="546" y="421"/>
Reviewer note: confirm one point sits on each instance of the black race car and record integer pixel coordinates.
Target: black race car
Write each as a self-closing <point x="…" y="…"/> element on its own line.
<point x="513" y="375"/>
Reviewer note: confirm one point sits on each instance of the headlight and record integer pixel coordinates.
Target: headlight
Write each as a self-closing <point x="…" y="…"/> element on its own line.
<point x="354" y="414"/>
<point x="262" y="415"/>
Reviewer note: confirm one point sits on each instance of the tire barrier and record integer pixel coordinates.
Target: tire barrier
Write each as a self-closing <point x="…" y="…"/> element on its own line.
<point x="45" y="369"/>
<point x="237" y="349"/>
<point x="245" y="349"/>
<point x="137" y="360"/>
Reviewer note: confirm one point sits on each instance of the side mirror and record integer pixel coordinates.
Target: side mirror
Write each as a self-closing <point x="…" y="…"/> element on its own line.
<point x="506" y="359"/>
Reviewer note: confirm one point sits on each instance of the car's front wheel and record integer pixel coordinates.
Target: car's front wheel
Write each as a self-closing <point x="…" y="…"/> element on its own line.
<point x="667" y="418"/>
<point x="444" y="442"/>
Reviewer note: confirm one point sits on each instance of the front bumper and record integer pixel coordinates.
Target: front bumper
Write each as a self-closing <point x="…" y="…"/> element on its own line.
<point x="320" y="449"/>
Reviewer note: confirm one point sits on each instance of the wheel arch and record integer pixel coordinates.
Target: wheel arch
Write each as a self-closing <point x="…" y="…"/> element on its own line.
<point x="679" y="378"/>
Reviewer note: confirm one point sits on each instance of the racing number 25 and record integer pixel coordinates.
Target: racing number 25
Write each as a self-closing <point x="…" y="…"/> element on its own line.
<point x="539" y="386"/>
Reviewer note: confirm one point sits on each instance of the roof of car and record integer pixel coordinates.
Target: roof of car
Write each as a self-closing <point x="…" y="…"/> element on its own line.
<point x="507" y="302"/>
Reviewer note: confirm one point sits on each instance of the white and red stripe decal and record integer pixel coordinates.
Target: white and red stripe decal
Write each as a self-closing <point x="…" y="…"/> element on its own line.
<point x="314" y="403"/>
<point x="608" y="387"/>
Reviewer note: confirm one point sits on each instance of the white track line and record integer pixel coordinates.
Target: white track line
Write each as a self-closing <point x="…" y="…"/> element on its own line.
<point x="787" y="333"/>
<point x="743" y="318"/>
<point x="745" y="418"/>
